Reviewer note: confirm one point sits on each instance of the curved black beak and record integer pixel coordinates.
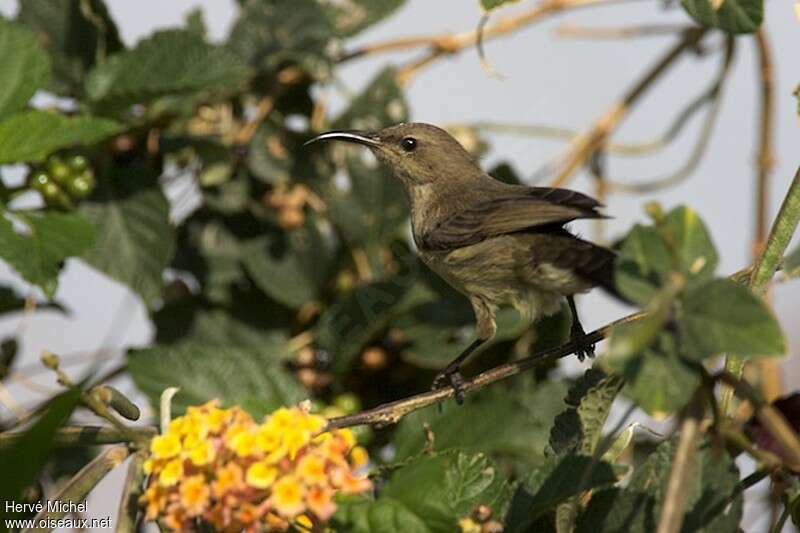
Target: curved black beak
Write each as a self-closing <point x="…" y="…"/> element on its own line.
<point x="360" y="137"/>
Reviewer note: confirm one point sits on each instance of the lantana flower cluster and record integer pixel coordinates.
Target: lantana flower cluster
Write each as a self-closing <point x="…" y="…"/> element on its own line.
<point x="221" y="467"/>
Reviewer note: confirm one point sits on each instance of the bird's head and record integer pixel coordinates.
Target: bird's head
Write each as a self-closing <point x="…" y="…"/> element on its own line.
<point x="418" y="154"/>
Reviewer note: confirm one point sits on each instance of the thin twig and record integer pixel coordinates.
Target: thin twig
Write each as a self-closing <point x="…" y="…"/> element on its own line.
<point x="83" y="482"/>
<point x="619" y="32"/>
<point x="391" y="413"/>
<point x="672" y="511"/>
<point x="132" y="488"/>
<point x="74" y="436"/>
<point x="587" y="143"/>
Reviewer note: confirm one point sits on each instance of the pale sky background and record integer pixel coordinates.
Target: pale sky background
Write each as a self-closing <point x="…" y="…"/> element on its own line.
<point x="546" y="79"/>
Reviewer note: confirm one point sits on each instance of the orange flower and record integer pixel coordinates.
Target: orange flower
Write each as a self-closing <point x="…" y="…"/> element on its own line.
<point x="229" y="478"/>
<point x="320" y="502"/>
<point x="311" y="470"/>
<point x="195" y="495"/>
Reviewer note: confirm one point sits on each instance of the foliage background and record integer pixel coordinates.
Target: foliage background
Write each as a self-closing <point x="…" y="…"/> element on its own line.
<point x="549" y="80"/>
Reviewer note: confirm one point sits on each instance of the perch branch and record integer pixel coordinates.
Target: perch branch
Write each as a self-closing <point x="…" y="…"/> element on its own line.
<point x="391" y="413"/>
<point x="619" y="32"/>
<point x="71" y="436"/>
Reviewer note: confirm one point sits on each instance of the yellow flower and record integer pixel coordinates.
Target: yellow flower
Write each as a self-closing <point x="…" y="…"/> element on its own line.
<point x="304" y="522"/>
<point x="295" y="439"/>
<point x="216" y="419"/>
<point x="202" y="454"/>
<point x="281" y="419"/>
<point x="267" y="439"/>
<point x="195" y="495"/>
<point x="261" y="475"/>
<point x="148" y="466"/>
<point x="468" y="525"/>
<point x="243" y="444"/>
<point x="171" y="473"/>
<point x="155" y="499"/>
<point x="165" y="446"/>
<point x="287" y="496"/>
<point x="311" y="470"/>
<point x="359" y="457"/>
<point x="311" y="422"/>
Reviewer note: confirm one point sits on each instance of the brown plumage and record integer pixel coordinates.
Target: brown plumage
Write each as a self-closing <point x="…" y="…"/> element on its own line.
<point x="498" y="244"/>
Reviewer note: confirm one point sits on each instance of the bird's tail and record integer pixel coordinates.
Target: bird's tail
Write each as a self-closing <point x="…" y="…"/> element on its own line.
<point x="597" y="266"/>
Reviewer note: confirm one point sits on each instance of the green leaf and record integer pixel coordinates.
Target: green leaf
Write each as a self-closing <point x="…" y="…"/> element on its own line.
<point x="168" y="62"/>
<point x="558" y="479"/>
<point x="24" y="67"/>
<point x="271" y="154"/>
<point x="618" y="511"/>
<point x="791" y="265"/>
<point x="689" y="238"/>
<point x="429" y="494"/>
<point x="713" y="501"/>
<point x="489" y="5"/>
<point x="23" y="461"/>
<point x="350" y="323"/>
<point x="74" y="41"/>
<point x="37" y="250"/>
<point x="354" y="16"/>
<point x="497" y="422"/>
<point x="642" y="265"/>
<point x="381" y="104"/>
<point x="292" y="268"/>
<point x="657" y="380"/>
<point x="578" y="429"/>
<point x="136" y="240"/>
<point x="722" y="316"/>
<point x="32" y="135"/>
<point x="269" y="34"/>
<point x="238" y="375"/>
<point x="732" y="16"/>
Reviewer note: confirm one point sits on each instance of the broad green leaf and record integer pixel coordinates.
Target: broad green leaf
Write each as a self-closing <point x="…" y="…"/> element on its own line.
<point x="497" y="422"/>
<point x="722" y="316"/>
<point x="23" y="461"/>
<point x="168" y="62"/>
<point x="555" y="481"/>
<point x="24" y="67"/>
<point x="270" y="34"/>
<point x="712" y="500"/>
<point x="37" y="247"/>
<point x="271" y="154"/>
<point x="379" y="105"/>
<point x="689" y="237"/>
<point x="657" y="380"/>
<point x="618" y="510"/>
<point x="238" y="375"/>
<point x="791" y="265"/>
<point x="74" y="41"/>
<point x="135" y="237"/>
<point x="428" y="495"/>
<point x="31" y="136"/>
<point x="578" y="428"/>
<point x="642" y="265"/>
<point x="354" y="16"/>
<point x="732" y="16"/>
<point x="350" y="323"/>
<point x="377" y="516"/>
<point x="221" y="254"/>
<point x="292" y="268"/>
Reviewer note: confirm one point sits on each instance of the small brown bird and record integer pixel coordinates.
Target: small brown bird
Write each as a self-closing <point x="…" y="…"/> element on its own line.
<point x="497" y="244"/>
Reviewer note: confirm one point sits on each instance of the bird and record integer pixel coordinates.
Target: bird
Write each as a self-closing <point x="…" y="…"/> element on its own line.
<point x="496" y="243"/>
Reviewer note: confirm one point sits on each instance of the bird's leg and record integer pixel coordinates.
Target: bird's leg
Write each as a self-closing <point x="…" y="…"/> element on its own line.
<point x="451" y="375"/>
<point x="576" y="332"/>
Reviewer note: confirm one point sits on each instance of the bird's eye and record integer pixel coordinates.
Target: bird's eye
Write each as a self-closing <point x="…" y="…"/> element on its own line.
<point x="409" y="144"/>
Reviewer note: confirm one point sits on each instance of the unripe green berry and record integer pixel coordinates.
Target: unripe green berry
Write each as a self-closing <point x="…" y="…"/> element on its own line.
<point x="51" y="192"/>
<point x="78" y="163"/>
<point x="58" y="170"/>
<point x="38" y="181"/>
<point x="79" y="187"/>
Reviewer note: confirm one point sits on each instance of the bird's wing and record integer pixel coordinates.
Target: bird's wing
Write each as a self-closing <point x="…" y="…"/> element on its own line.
<point x="517" y="209"/>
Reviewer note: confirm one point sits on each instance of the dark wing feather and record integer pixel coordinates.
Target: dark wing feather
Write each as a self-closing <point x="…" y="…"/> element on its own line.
<point x="516" y="209"/>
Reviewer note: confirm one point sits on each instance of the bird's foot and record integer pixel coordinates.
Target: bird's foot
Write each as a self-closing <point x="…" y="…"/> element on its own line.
<point x="585" y="349"/>
<point x="450" y="377"/>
